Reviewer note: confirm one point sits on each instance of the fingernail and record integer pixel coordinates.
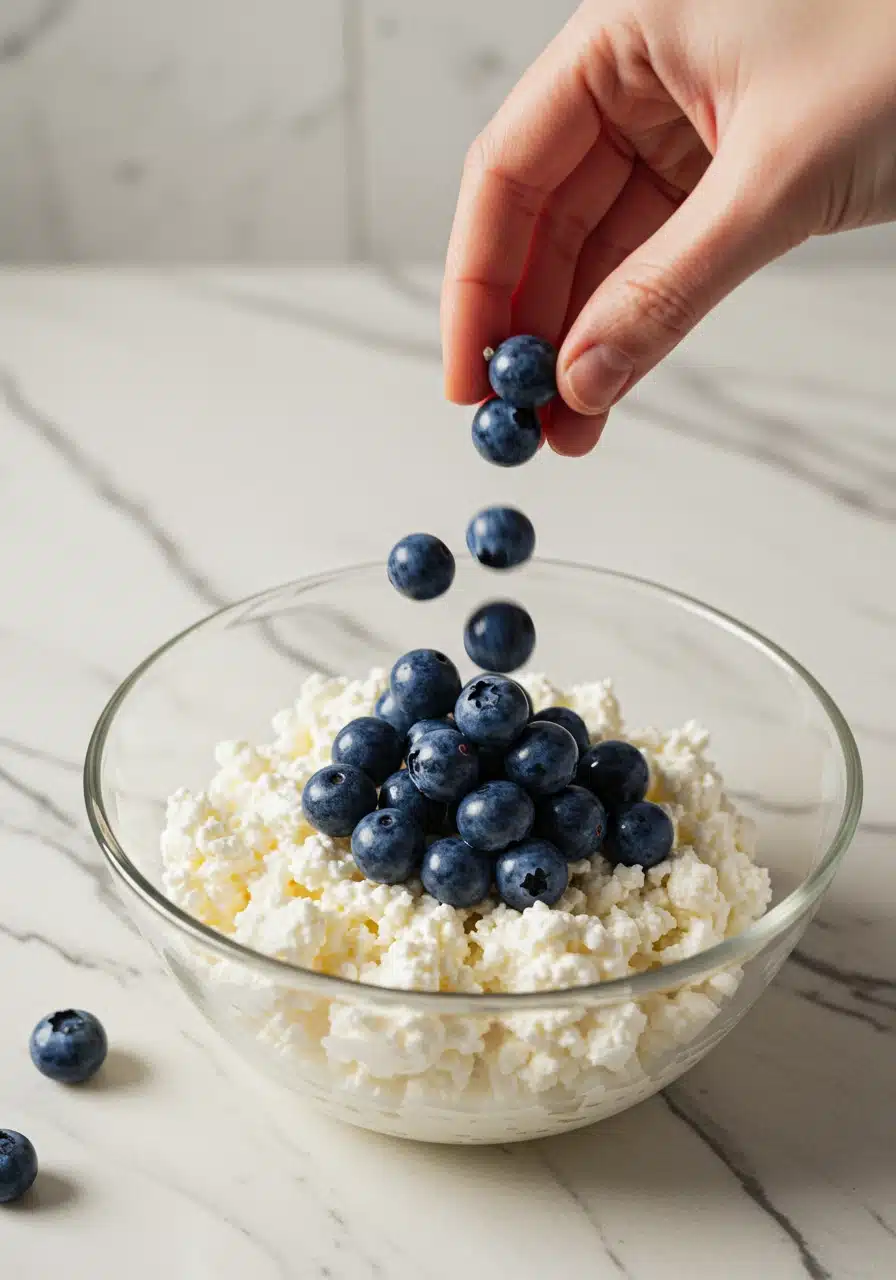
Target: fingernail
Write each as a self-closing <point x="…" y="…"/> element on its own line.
<point x="596" y="377"/>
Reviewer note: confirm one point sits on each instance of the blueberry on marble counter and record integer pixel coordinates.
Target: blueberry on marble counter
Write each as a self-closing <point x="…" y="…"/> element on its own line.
<point x="69" y="1046"/>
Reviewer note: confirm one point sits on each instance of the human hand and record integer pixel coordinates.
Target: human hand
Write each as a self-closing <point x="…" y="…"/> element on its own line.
<point x="653" y="157"/>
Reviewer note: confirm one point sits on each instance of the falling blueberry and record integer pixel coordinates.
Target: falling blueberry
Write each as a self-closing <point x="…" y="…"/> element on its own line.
<point x="388" y="709"/>
<point x="616" y="772"/>
<point x="523" y="371"/>
<point x="495" y="816"/>
<point x="500" y="636"/>
<point x="388" y="846"/>
<point x="455" y="874"/>
<point x="399" y="792"/>
<point x="421" y="567"/>
<point x="425" y="684"/>
<point x="572" y="819"/>
<point x="501" y="537"/>
<point x="492" y="710"/>
<point x="543" y="758"/>
<point x="505" y="436"/>
<point x="69" y="1046"/>
<point x="444" y="765"/>
<point x="640" y="835"/>
<point x="18" y="1165"/>
<point x="570" y="720"/>
<point x="530" y="872"/>
<point x="336" y="798"/>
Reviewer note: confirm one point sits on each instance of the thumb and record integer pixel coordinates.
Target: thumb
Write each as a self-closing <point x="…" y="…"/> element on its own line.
<point x="734" y="222"/>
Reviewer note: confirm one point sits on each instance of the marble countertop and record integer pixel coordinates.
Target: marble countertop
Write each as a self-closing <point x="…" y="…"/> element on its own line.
<point x="162" y="439"/>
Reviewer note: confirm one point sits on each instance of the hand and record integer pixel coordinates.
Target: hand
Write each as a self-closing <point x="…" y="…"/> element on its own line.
<point x="652" y="158"/>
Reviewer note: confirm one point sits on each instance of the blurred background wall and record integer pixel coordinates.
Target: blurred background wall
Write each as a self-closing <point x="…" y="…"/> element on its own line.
<point x="257" y="130"/>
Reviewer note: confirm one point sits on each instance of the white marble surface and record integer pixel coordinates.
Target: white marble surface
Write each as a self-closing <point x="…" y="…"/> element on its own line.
<point x="163" y="443"/>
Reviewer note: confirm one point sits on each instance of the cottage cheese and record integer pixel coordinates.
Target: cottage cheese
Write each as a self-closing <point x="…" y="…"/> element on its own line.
<point x="241" y="858"/>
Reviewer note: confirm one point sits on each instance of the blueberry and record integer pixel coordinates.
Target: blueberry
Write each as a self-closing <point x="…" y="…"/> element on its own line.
<point x="506" y="436"/>
<point x="523" y="371"/>
<point x="572" y="819"/>
<point x="641" y="835"/>
<point x="456" y="874"/>
<point x="388" y="845"/>
<point x="421" y="727"/>
<point x="570" y="720"/>
<point x="501" y="537"/>
<point x="492" y="710"/>
<point x="530" y="872"/>
<point x="336" y="798"/>
<point x="421" y="567"/>
<point x="499" y="636"/>
<point x="616" y="772"/>
<point x="18" y="1165"/>
<point x="495" y="816"/>
<point x="69" y="1046"/>
<point x="543" y="758"/>
<point x="425" y="684"/>
<point x="388" y="709"/>
<point x="399" y="792"/>
<point x="443" y="765"/>
<point x="371" y="745"/>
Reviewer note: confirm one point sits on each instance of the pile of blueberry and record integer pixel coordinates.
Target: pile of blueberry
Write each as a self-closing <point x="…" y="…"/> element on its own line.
<point x="69" y="1046"/>
<point x="468" y="789"/>
<point x="500" y="635"/>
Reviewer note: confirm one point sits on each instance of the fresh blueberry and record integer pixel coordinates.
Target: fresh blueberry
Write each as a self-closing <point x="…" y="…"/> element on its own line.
<point x="641" y="835"/>
<point x="455" y="874"/>
<point x="530" y="872"/>
<point x="425" y="684"/>
<point x="388" y="845"/>
<point x="336" y="798"/>
<point x="443" y="765"/>
<point x="616" y="772"/>
<point x="371" y="745"/>
<point x="495" y="816"/>
<point x="492" y="710"/>
<point x="506" y="436"/>
<point x="572" y="819"/>
<point x="501" y="537"/>
<point x="543" y="758"/>
<point x="500" y="636"/>
<point x="421" y="567"/>
<point x="570" y="720"/>
<point x="422" y="727"/>
<point x="523" y="371"/>
<point x="69" y="1046"/>
<point x="399" y="792"/>
<point x="18" y="1165"/>
<point x="388" y="709"/>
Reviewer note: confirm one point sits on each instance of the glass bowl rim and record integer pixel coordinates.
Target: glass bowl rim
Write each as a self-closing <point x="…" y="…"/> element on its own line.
<point x="722" y="955"/>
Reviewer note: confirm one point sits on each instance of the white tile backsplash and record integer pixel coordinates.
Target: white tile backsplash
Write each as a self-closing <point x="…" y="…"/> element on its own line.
<point x="281" y="130"/>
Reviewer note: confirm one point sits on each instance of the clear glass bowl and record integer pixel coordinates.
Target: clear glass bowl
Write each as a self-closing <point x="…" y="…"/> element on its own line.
<point x="422" y="1065"/>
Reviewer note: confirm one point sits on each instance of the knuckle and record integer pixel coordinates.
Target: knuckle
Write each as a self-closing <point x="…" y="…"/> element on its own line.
<point x="660" y="304"/>
<point x="565" y="230"/>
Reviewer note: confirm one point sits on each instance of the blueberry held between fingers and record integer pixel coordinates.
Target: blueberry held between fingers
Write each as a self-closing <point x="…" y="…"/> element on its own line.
<point x="421" y="727"/>
<point x="444" y="765"/>
<point x="69" y="1046"/>
<point x="616" y="772"/>
<point x="388" y="709"/>
<point x="573" y="820"/>
<point x="455" y="874"/>
<point x="336" y="798"/>
<point x="492" y="710"/>
<point x="501" y="537"/>
<point x="543" y="758"/>
<point x="421" y="567"/>
<point x="570" y="720"/>
<point x="640" y="835"/>
<point x="18" y="1165"/>
<point x="371" y="745"/>
<point x="500" y="636"/>
<point x="425" y="684"/>
<point x="530" y="872"/>
<point x="399" y="792"/>
<point x="523" y="371"/>
<point x="495" y="816"/>
<point x="505" y="436"/>
<point x="388" y="846"/>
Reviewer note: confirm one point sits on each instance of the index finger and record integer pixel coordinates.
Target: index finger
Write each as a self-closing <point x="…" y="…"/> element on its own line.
<point x="541" y="133"/>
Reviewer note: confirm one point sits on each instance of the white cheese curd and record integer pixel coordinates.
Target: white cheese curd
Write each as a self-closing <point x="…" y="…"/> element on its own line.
<point x="241" y="857"/>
